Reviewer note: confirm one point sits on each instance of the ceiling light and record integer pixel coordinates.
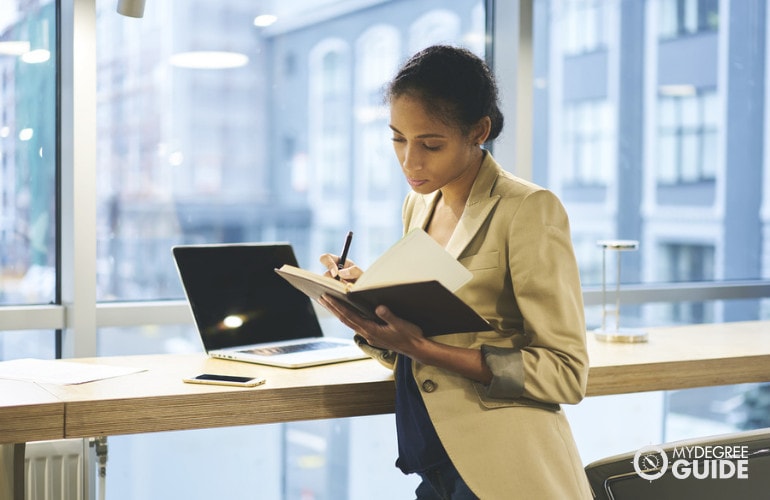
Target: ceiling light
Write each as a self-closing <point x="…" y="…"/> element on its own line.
<point x="26" y="134"/>
<point x="209" y="60"/>
<point x="36" y="56"/>
<point x="131" y="8"/>
<point x="176" y="158"/>
<point x="264" y="20"/>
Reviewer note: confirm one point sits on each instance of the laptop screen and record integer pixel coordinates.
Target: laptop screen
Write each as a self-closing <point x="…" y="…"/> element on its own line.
<point x="238" y="299"/>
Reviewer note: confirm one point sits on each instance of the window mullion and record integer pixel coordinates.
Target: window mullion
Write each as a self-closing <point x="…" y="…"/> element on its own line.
<point x="512" y="31"/>
<point x="77" y="132"/>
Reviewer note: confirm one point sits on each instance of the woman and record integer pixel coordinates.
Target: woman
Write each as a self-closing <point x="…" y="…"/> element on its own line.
<point x="477" y="413"/>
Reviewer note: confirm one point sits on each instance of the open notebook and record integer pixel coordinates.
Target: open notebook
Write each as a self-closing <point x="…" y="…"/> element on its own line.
<point x="244" y="311"/>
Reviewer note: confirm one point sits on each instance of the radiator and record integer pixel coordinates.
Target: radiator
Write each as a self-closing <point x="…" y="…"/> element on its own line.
<point x="60" y="470"/>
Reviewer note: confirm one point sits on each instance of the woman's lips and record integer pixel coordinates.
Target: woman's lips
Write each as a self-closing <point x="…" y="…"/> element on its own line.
<point x="416" y="182"/>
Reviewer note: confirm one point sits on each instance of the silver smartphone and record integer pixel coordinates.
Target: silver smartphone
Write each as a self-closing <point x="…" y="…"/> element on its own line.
<point x="216" y="379"/>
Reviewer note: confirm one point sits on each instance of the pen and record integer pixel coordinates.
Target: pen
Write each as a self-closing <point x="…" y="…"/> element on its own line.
<point x="344" y="255"/>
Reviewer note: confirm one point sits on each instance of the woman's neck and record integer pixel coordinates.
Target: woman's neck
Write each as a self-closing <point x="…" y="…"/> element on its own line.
<point x="455" y="193"/>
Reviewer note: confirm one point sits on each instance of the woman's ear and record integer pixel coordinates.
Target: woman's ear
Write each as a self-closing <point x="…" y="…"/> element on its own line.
<point x="480" y="131"/>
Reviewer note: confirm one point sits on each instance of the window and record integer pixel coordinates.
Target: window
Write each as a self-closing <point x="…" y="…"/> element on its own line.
<point x="687" y="138"/>
<point x="588" y="133"/>
<point x="328" y="106"/>
<point x="435" y="26"/>
<point x="686" y="17"/>
<point x="28" y="154"/>
<point x="584" y="24"/>
<point x="688" y="262"/>
<point x="648" y="130"/>
<point x="291" y="145"/>
<point x="378" y="56"/>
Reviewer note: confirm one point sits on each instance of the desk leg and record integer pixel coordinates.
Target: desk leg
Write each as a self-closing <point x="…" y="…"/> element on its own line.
<point x="12" y="471"/>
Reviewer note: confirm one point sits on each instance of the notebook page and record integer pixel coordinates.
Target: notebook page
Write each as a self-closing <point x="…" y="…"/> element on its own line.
<point x="415" y="257"/>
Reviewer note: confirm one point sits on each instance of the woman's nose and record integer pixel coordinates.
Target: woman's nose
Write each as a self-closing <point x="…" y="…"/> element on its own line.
<point x="412" y="159"/>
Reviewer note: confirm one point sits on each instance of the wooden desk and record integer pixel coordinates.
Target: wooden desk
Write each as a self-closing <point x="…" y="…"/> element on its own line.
<point x="27" y="413"/>
<point x="682" y="357"/>
<point x="158" y="400"/>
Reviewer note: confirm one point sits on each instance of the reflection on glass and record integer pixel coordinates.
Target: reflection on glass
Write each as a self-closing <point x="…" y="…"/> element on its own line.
<point x="27" y="152"/>
<point x="644" y="128"/>
<point x="290" y="145"/>
<point x="716" y="410"/>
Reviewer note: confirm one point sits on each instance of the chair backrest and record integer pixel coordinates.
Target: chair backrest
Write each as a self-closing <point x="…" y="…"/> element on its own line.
<point x="728" y="466"/>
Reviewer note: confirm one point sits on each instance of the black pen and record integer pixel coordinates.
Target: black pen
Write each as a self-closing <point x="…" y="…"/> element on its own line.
<point x="344" y="255"/>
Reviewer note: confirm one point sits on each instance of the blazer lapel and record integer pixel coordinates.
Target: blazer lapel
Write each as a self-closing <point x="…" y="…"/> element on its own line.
<point x="423" y="211"/>
<point x="480" y="203"/>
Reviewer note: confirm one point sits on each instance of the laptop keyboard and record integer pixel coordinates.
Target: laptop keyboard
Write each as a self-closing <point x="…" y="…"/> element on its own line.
<point x="291" y="348"/>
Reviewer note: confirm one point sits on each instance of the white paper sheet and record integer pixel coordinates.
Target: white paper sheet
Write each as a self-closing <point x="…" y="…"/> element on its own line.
<point x="60" y="372"/>
<point x="415" y="257"/>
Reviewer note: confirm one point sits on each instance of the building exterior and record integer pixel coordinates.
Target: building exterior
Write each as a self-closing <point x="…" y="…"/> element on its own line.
<point x="649" y="124"/>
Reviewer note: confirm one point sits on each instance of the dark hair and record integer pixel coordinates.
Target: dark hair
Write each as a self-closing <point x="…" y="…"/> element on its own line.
<point x="453" y="83"/>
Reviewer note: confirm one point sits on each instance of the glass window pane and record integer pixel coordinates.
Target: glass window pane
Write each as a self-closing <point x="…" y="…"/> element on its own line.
<point x="690" y="158"/>
<point x="666" y="143"/>
<point x="688" y="179"/>
<point x="691" y="15"/>
<point x="710" y="155"/>
<point x="291" y="145"/>
<point x="606" y="161"/>
<point x="690" y="111"/>
<point x="585" y="150"/>
<point x="27" y="152"/>
<point x="667" y="112"/>
<point x="667" y="18"/>
<point x="244" y="461"/>
<point x="667" y="159"/>
<point x="148" y="339"/>
<point x="710" y="108"/>
<point x="278" y="148"/>
<point x="27" y="344"/>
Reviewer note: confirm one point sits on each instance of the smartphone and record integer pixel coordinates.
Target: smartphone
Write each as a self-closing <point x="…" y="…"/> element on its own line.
<point x="234" y="380"/>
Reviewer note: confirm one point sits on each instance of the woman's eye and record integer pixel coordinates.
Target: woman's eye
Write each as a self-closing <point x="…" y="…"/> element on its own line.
<point x="397" y="139"/>
<point x="432" y="147"/>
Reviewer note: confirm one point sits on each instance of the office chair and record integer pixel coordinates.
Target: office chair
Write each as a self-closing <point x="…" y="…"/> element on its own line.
<point x="662" y="478"/>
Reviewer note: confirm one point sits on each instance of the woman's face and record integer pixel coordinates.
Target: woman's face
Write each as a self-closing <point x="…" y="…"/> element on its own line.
<point x="432" y="154"/>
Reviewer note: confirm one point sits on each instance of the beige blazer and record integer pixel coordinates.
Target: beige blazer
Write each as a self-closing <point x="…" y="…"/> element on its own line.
<point x="511" y="440"/>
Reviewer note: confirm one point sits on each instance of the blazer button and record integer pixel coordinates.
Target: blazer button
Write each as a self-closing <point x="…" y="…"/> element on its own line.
<point x="429" y="386"/>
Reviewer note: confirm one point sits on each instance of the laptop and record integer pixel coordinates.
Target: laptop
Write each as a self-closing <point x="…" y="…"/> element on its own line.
<point x="244" y="311"/>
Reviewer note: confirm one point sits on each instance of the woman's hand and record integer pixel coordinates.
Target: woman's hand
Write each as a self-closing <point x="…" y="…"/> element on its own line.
<point x="396" y="334"/>
<point x="403" y="337"/>
<point x="349" y="273"/>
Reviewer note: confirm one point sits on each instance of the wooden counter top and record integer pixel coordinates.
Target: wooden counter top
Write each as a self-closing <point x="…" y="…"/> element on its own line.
<point x="158" y="400"/>
<point x="682" y="357"/>
<point x="29" y="413"/>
